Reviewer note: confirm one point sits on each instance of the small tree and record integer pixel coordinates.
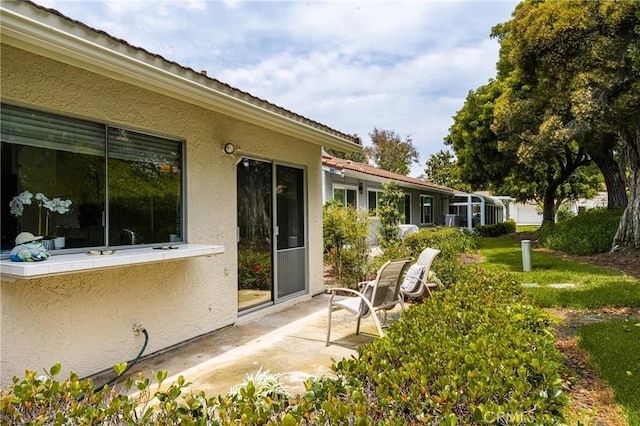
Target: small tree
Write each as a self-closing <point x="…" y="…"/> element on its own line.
<point x="345" y="232"/>
<point x="390" y="215"/>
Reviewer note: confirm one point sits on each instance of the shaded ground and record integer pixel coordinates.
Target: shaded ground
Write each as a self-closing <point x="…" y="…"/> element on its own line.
<point x="590" y="398"/>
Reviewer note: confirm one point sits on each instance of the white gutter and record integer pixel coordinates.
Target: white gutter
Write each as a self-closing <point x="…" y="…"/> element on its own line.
<point x="57" y="38"/>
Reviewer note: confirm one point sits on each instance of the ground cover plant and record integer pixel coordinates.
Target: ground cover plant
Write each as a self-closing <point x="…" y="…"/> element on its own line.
<point x="475" y="353"/>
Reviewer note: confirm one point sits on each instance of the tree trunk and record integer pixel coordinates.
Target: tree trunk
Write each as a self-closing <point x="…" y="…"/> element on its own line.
<point x="612" y="172"/>
<point x="628" y="233"/>
<point x="548" y="205"/>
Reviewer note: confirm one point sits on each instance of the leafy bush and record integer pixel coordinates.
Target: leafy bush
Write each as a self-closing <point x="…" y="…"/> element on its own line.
<point x="563" y="214"/>
<point x="345" y="232"/>
<point x="475" y="353"/>
<point x="390" y="216"/>
<point x="497" y="229"/>
<point x="449" y="240"/>
<point x="588" y="233"/>
<point x="254" y="268"/>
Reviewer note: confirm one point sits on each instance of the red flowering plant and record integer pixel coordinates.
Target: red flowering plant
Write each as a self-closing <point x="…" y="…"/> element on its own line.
<point x="254" y="269"/>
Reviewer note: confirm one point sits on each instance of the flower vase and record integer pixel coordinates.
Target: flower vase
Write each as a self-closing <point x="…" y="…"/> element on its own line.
<point x="59" y="243"/>
<point x="49" y="244"/>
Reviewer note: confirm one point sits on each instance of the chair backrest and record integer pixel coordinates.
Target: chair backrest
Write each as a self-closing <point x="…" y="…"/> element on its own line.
<point x="426" y="259"/>
<point x="386" y="286"/>
<point x="419" y="271"/>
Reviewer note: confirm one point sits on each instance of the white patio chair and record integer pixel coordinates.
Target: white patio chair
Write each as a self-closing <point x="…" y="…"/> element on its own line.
<point x="382" y="293"/>
<point x="416" y="282"/>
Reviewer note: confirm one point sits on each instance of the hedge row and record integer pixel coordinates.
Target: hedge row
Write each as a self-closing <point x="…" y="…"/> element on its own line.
<point x="475" y="353"/>
<point x="497" y="229"/>
<point x="588" y="233"/>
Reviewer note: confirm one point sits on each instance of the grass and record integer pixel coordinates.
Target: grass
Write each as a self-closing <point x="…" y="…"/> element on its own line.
<point x="596" y="286"/>
<point x="613" y="346"/>
<point x="527" y="228"/>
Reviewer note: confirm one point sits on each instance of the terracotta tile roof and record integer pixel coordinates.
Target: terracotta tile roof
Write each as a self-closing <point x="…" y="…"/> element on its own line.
<point x="213" y="83"/>
<point x="342" y="164"/>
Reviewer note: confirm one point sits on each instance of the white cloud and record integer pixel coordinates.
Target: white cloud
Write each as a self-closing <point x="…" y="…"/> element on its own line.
<point x="398" y="65"/>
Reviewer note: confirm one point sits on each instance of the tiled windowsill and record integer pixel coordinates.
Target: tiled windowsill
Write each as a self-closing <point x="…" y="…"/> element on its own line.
<point x="77" y="262"/>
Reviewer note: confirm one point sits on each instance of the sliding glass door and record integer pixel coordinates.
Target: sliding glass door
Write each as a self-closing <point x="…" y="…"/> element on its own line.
<point x="271" y="233"/>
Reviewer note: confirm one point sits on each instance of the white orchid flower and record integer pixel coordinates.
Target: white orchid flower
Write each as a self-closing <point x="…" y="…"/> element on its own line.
<point x="16" y="205"/>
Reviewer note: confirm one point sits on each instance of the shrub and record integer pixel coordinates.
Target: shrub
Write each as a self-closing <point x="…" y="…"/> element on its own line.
<point x="389" y="205"/>
<point x="497" y="229"/>
<point x="475" y="353"/>
<point x="345" y="232"/>
<point x="588" y="233"/>
<point x="254" y="268"/>
<point x="449" y="240"/>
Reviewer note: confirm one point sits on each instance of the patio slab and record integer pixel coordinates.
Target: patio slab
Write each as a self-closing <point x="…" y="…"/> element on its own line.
<point x="290" y="343"/>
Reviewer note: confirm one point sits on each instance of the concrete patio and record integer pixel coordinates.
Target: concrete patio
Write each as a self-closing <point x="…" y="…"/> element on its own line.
<point x="290" y="343"/>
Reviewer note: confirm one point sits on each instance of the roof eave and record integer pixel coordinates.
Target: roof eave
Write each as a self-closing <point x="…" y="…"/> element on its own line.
<point x="383" y="180"/>
<point x="149" y="72"/>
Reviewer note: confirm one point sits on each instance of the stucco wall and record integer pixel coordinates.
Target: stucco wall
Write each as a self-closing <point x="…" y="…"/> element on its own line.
<point x="85" y="320"/>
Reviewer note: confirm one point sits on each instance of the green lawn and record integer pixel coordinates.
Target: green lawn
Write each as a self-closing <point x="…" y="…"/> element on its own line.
<point x="613" y="345"/>
<point x="595" y="286"/>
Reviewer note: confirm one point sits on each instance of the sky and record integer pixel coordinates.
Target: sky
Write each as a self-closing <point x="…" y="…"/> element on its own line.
<point x="403" y="66"/>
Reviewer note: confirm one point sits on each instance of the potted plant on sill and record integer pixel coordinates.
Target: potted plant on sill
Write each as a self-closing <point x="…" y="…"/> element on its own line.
<point x="50" y="206"/>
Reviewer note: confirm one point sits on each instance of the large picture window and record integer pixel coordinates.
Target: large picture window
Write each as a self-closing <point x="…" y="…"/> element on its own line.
<point x="87" y="184"/>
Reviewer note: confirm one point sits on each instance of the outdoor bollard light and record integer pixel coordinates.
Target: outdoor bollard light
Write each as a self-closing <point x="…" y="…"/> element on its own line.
<point x="526" y="255"/>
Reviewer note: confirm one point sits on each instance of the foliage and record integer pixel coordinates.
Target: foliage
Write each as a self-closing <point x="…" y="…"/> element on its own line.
<point x="345" y="232"/>
<point x="451" y="242"/>
<point x="572" y="85"/>
<point x="358" y="157"/>
<point x="497" y="229"/>
<point x="588" y="233"/>
<point x="563" y="213"/>
<point x="390" y="152"/>
<point x="612" y="347"/>
<point x="390" y="216"/>
<point x="595" y="286"/>
<point x="442" y="168"/>
<point x="487" y="356"/>
<point x="254" y="268"/>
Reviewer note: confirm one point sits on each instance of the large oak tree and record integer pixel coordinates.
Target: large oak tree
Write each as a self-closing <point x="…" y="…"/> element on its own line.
<point x="575" y="58"/>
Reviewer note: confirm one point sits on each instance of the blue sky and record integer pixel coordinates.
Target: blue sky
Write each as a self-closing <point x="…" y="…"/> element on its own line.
<point x="405" y="66"/>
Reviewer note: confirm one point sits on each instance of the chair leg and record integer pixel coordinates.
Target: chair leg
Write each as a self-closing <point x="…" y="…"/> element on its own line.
<point x="329" y="327"/>
<point x="377" y="321"/>
<point x="358" y="327"/>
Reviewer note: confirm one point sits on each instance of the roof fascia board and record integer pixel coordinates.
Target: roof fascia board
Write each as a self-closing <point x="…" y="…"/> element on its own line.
<point x="34" y="36"/>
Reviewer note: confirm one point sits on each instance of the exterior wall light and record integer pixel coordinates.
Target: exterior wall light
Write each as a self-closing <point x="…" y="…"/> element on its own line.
<point x="229" y="148"/>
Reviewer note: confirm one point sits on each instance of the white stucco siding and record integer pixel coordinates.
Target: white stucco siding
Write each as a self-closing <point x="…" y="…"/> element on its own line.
<point x="85" y="320"/>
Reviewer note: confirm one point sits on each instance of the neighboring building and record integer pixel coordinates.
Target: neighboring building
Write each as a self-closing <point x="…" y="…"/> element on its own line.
<point x="530" y="213"/>
<point x="210" y="197"/>
<point x="477" y="209"/>
<point x="360" y="185"/>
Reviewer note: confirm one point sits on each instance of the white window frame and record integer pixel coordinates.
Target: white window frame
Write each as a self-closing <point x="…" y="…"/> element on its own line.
<point x="346" y="188"/>
<point x="422" y="209"/>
